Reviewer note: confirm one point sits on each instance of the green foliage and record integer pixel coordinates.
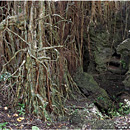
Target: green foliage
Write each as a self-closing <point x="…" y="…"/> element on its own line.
<point x="123" y="64"/>
<point x="122" y="110"/>
<point x="113" y="112"/>
<point x="47" y="116"/>
<point x="35" y="128"/>
<point x="22" y="109"/>
<point x="48" y="123"/>
<point x="100" y="98"/>
<point x="5" y="76"/>
<point x="3" y="125"/>
<point x="75" y="111"/>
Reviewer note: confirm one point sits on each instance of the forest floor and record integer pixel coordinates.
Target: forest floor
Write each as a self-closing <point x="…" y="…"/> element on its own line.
<point x="13" y="120"/>
<point x="10" y="120"/>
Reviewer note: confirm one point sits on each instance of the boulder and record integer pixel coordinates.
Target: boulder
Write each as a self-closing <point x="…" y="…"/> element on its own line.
<point x="91" y="89"/>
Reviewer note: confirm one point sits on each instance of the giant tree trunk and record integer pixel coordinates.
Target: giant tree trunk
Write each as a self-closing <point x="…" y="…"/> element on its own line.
<point x="41" y="45"/>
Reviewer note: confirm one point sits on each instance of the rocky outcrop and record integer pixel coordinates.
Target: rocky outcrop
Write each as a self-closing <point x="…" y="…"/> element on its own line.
<point x="116" y="65"/>
<point x="126" y="82"/>
<point x="91" y="89"/>
<point x="124" y="50"/>
<point x="101" y="49"/>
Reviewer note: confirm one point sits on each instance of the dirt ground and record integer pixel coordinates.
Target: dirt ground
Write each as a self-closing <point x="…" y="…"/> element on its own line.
<point x="12" y="120"/>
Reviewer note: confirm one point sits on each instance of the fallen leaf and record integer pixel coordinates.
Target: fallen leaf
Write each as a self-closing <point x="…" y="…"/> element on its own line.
<point x="21" y="118"/>
<point x="15" y="114"/>
<point x="8" y="115"/>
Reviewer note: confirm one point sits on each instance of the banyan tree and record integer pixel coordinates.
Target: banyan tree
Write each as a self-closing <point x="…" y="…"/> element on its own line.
<point x="42" y="43"/>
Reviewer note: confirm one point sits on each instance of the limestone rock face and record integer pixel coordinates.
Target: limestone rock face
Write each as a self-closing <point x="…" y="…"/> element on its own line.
<point x="102" y="56"/>
<point x="124" y="50"/>
<point x="91" y="89"/>
<point x="101" y="49"/>
<point x="126" y="82"/>
<point x="124" y="47"/>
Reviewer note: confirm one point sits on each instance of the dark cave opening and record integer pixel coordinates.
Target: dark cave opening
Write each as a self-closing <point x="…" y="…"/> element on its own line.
<point x="114" y="64"/>
<point x="118" y="56"/>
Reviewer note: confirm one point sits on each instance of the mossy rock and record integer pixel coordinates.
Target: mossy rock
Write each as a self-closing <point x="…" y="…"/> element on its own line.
<point x="126" y="82"/>
<point x="124" y="47"/>
<point x="91" y="89"/>
<point x="124" y="50"/>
